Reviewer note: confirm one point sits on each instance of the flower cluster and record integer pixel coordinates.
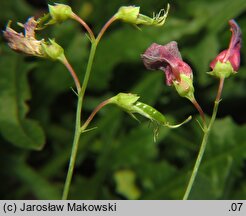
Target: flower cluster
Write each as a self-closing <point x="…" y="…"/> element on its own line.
<point x="178" y="73"/>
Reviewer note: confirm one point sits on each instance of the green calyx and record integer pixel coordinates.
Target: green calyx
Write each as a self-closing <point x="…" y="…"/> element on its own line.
<point x="185" y="87"/>
<point x="222" y="70"/>
<point x="126" y="101"/>
<point x="53" y="50"/>
<point x="59" y="13"/>
<point x="130" y="14"/>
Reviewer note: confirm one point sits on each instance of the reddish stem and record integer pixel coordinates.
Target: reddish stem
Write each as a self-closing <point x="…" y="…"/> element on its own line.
<point x="198" y="107"/>
<point x="100" y="106"/>
<point x="73" y="74"/>
<point x="84" y="24"/>
<point x="104" y="28"/>
<point x="220" y="88"/>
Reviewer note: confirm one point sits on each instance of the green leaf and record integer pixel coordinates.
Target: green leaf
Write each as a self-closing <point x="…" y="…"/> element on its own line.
<point x="225" y="153"/>
<point x="14" y="92"/>
<point x="36" y="183"/>
<point x="201" y="55"/>
<point x="125" y="184"/>
<point x="153" y="175"/>
<point x="14" y="10"/>
<point x="137" y="146"/>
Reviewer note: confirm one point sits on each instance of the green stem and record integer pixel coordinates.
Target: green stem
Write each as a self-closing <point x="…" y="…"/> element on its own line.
<point x="74" y="149"/>
<point x="88" y="69"/>
<point x="204" y="141"/>
<point x="77" y="132"/>
<point x="81" y="93"/>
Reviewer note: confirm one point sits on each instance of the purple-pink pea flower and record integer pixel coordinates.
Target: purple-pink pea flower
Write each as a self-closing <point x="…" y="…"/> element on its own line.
<point x="168" y="59"/>
<point x="232" y="54"/>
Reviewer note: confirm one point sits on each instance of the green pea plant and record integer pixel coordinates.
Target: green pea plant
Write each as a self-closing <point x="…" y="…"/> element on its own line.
<point x="157" y="57"/>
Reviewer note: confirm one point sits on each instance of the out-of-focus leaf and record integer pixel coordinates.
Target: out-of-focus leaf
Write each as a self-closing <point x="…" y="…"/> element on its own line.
<point x="14" y="125"/>
<point x="225" y="155"/>
<point x="125" y="184"/>
<point x="37" y="185"/>
<point x="213" y="182"/>
<point x="136" y="150"/>
<point x="201" y="55"/>
<point x="14" y="10"/>
<point x="153" y="175"/>
<point x="149" y="87"/>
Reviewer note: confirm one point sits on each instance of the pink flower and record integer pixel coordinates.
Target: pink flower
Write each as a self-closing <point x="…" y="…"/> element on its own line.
<point x="232" y="54"/>
<point x="168" y="59"/>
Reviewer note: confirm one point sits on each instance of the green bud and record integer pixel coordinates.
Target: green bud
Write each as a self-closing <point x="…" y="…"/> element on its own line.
<point x="125" y="101"/>
<point x="222" y="70"/>
<point x="130" y="14"/>
<point x="185" y="86"/>
<point x="59" y="13"/>
<point x="53" y="50"/>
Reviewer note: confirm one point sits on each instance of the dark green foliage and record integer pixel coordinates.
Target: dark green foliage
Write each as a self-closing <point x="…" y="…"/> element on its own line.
<point x="37" y="108"/>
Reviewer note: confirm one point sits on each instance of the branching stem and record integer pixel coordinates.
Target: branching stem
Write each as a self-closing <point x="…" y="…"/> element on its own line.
<point x="204" y="141"/>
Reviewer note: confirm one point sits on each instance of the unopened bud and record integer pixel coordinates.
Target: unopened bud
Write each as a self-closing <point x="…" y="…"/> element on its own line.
<point x="59" y="13"/>
<point x="130" y="14"/>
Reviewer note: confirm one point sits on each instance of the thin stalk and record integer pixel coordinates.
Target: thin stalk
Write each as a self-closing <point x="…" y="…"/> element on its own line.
<point x="73" y="74"/>
<point x="74" y="149"/>
<point x="100" y="106"/>
<point x="81" y="93"/>
<point x="221" y="84"/>
<point x="77" y="132"/>
<point x="84" y="24"/>
<point x="204" y="141"/>
<point x="105" y="27"/>
<point x="198" y="107"/>
<point x="88" y="69"/>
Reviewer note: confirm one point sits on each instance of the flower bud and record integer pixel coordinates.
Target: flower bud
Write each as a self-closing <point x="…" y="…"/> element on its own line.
<point x="125" y="101"/>
<point x="130" y="14"/>
<point x="59" y="13"/>
<point x="228" y="61"/>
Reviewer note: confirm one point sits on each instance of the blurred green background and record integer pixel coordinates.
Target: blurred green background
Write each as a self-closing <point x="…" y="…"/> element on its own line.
<point x="119" y="159"/>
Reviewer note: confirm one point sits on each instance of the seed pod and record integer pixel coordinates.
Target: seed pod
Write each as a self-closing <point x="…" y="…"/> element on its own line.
<point x="129" y="103"/>
<point x="149" y="112"/>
